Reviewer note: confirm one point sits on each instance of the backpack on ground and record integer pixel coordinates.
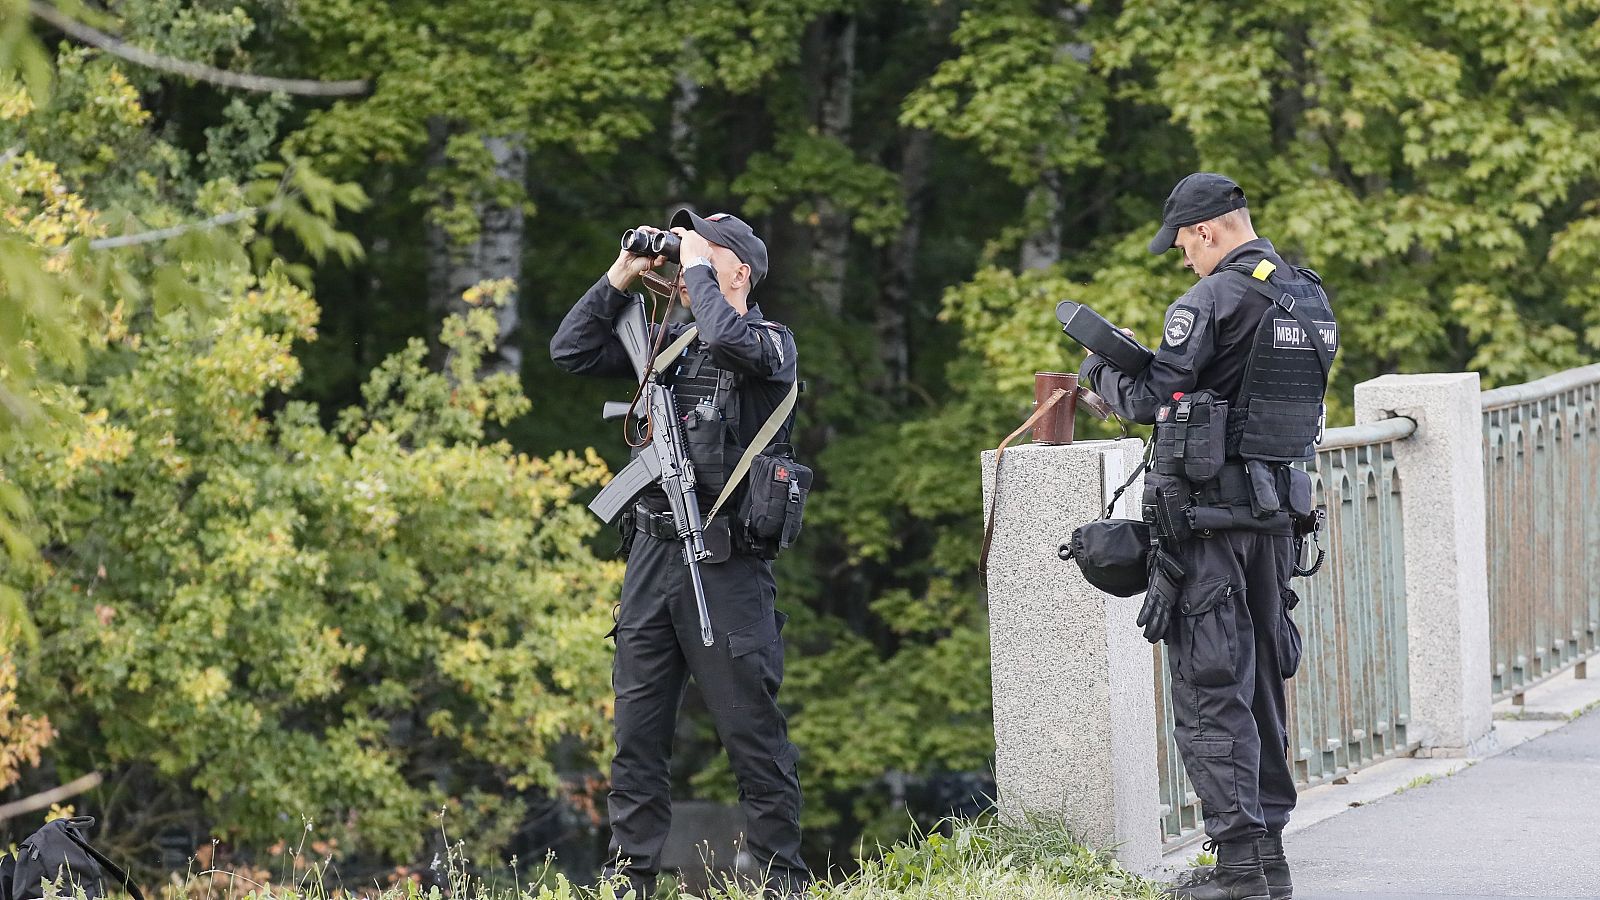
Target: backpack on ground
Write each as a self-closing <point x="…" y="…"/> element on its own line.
<point x="60" y="852"/>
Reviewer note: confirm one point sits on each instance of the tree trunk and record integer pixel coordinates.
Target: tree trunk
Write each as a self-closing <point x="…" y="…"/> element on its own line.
<point x="681" y="135"/>
<point x="893" y="313"/>
<point x="1047" y="203"/>
<point x="1046" y="208"/>
<point x="836" y="67"/>
<point x="496" y="253"/>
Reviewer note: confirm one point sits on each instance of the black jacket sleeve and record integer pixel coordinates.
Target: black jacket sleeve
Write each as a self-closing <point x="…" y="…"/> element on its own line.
<point x="749" y="347"/>
<point x="585" y="343"/>
<point x="1188" y="344"/>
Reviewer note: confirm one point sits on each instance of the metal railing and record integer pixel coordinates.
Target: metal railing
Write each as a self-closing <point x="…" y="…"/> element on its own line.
<point x="1350" y="702"/>
<point x="1541" y="467"/>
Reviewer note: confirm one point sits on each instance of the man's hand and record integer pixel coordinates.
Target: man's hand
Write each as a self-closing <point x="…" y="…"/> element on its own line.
<point x="630" y="266"/>
<point x="693" y="245"/>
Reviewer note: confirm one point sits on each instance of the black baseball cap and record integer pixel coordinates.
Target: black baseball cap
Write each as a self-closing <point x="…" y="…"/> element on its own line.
<point x="1198" y="198"/>
<point x="732" y="232"/>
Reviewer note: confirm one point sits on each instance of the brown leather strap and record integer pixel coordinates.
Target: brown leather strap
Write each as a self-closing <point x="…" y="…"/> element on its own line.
<point x="994" y="498"/>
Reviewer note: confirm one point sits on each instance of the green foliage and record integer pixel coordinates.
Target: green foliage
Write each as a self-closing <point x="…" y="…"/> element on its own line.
<point x="808" y="167"/>
<point x="20" y="53"/>
<point x="580" y="81"/>
<point x="267" y="616"/>
<point x="284" y="620"/>
<point x="1430" y="161"/>
<point x="1017" y="90"/>
<point x="84" y="167"/>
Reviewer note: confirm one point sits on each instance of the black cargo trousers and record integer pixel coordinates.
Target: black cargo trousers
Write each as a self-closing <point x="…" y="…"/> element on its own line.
<point x="1231" y="646"/>
<point x="658" y="649"/>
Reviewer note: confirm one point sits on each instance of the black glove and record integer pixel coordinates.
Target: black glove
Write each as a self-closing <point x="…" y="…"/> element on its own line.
<point x="1166" y="580"/>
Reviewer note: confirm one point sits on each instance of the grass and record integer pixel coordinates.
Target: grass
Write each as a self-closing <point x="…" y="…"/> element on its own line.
<point x="1424" y="780"/>
<point x="1203" y="858"/>
<point x="1575" y="714"/>
<point x="1419" y="781"/>
<point x="983" y="860"/>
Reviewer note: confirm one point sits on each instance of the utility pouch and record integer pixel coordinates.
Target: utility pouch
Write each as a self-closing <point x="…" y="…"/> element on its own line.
<point x="1191" y="437"/>
<point x="1307" y="521"/>
<point x="1299" y="495"/>
<point x="718" y="538"/>
<point x="1263" y="489"/>
<point x="704" y="440"/>
<point x="774" y="503"/>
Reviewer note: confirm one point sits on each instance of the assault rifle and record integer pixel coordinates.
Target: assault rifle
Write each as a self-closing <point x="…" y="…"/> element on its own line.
<point x="662" y="459"/>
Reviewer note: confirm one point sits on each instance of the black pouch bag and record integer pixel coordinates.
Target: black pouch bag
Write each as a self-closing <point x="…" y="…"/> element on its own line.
<point x="1191" y="437"/>
<point x="60" y="852"/>
<point x="774" y="504"/>
<point x="1113" y="554"/>
<point x="1299" y="498"/>
<point x="705" y="442"/>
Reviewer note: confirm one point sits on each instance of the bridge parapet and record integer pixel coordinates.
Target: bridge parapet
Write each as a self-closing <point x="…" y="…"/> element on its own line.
<point x="1445" y="503"/>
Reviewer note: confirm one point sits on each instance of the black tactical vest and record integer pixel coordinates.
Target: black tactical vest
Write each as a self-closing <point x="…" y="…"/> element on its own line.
<point x="1279" y="412"/>
<point x="707" y="401"/>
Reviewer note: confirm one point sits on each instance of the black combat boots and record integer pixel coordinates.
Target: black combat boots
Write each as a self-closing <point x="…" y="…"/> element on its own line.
<point x="1275" y="866"/>
<point x="1236" y="876"/>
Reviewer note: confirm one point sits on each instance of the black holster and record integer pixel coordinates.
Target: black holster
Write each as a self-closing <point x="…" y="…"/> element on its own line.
<point x="626" y="530"/>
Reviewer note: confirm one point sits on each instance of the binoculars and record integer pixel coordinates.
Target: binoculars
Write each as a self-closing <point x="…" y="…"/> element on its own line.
<point x="651" y="243"/>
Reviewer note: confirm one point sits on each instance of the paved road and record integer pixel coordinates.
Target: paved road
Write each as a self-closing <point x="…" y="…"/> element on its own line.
<point x="1525" y="823"/>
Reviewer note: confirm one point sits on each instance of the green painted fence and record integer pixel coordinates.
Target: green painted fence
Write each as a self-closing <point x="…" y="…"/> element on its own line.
<point x="1541" y="462"/>
<point x="1349" y="703"/>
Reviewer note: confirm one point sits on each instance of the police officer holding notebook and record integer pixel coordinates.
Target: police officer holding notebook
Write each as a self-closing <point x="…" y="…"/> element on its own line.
<point x="1236" y="393"/>
<point x="738" y="372"/>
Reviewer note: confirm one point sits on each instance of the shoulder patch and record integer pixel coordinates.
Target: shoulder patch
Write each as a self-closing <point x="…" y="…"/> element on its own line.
<point x="1180" y="324"/>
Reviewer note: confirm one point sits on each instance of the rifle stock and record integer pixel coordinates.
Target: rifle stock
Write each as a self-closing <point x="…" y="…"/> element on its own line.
<point x="633" y="331"/>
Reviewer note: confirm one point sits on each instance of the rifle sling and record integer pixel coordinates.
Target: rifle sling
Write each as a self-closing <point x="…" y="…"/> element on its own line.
<point x="674" y="348"/>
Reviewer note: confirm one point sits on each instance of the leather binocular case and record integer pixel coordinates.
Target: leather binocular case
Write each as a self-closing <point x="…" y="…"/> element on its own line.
<point x="1055" y="426"/>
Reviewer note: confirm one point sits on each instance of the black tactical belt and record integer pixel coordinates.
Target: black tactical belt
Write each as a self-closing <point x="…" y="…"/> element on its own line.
<point x="655" y="524"/>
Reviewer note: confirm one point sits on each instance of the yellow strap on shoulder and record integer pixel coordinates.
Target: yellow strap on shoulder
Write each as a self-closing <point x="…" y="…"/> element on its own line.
<point x="1264" y="269"/>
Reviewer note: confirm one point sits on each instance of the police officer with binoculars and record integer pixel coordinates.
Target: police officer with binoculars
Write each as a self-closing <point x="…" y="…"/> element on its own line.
<point x="706" y="612"/>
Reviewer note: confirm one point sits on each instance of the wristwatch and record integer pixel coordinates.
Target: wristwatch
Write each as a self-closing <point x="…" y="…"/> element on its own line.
<point x="700" y="261"/>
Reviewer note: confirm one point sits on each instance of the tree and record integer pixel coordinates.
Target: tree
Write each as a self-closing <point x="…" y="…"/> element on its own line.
<point x="89" y="242"/>
<point x="352" y="625"/>
<point x="244" y="612"/>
